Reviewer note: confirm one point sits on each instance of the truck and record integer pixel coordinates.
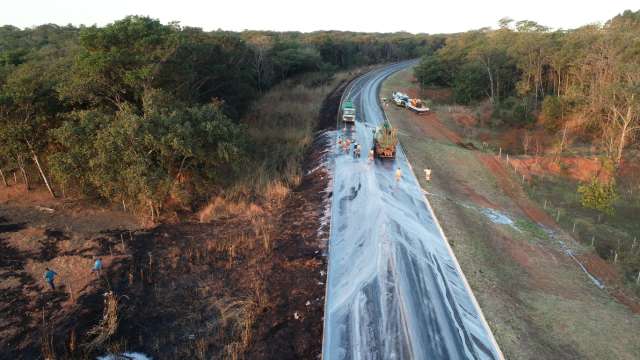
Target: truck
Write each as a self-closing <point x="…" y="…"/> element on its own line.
<point x="400" y="99"/>
<point x="385" y="141"/>
<point x="416" y="105"/>
<point x="403" y="100"/>
<point x="348" y="112"/>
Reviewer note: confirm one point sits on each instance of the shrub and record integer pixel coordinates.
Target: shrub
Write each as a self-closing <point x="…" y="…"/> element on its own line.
<point x="598" y="196"/>
<point x="513" y="111"/>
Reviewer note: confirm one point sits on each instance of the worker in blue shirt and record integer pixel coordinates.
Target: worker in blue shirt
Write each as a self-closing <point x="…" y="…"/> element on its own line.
<point x="49" y="276"/>
<point x="97" y="266"/>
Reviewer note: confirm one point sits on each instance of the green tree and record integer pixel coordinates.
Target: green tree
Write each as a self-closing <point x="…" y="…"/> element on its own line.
<point x="470" y="83"/>
<point x="431" y="72"/>
<point x="598" y="196"/>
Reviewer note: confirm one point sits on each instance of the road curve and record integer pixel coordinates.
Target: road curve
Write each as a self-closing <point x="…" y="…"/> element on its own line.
<point x="394" y="290"/>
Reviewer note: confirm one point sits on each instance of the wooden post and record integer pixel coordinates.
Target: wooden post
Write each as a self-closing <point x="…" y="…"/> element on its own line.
<point x="500" y="153"/>
<point x="638" y="279"/>
<point x="545" y="204"/>
<point x="507" y="159"/>
<point x="593" y="240"/>
<point x="574" y="227"/>
<point x="523" y="178"/>
<point x="4" y="180"/>
<point x="615" y="257"/>
<point x="15" y="177"/>
<point x="558" y="215"/>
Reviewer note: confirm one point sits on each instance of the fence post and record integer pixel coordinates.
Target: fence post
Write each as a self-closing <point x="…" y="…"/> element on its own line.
<point x="615" y="257"/>
<point x="545" y="204"/>
<point x="593" y="240"/>
<point x="638" y="279"/>
<point x="558" y="215"/>
<point x="500" y="153"/>
<point x="507" y="159"/>
<point x="574" y="227"/>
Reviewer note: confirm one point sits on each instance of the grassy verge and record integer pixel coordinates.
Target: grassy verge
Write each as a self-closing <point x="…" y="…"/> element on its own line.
<point x="613" y="237"/>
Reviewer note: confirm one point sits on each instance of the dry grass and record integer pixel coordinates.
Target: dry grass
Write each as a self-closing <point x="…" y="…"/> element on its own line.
<point x="108" y="325"/>
<point x="221" y="207"/>
<point x="281" y="125"/>
<point x="236" y="319"/>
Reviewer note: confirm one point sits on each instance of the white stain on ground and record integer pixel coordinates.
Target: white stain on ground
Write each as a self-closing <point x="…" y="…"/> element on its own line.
<point x="125" y="355"/>
<point x="497" y="217"/>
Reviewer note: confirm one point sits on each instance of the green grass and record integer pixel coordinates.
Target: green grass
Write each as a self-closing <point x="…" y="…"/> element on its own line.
<point x="608" y="234"/>
<point x="531" y="228"/>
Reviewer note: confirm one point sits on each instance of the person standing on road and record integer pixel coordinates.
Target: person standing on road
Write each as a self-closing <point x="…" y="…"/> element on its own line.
<point x="398" y="175"/>
<point x="97" y="267"/>
<point x="49" y="277"/>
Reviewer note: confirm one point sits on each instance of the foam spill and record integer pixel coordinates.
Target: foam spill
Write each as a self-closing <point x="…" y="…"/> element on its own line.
<point x="497" y="217"/>
<point x="125" y="355"/>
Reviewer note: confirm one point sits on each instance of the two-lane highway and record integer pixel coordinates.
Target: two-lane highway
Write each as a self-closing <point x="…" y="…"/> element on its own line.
<point x="395" y="290"/>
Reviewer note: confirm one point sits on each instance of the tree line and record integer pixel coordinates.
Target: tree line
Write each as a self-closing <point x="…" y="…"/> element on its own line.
<point x="143" y="113"/>
<point x="526" y="69"/>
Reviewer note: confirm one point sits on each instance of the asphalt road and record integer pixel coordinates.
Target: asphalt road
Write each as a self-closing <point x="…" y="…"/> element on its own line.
<point x="395" y="290"/>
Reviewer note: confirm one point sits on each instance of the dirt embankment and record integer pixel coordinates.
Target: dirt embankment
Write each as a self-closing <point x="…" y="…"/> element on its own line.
<point x="250" y="286"/>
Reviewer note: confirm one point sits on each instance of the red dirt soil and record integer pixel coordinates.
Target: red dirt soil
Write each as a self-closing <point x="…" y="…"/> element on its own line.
<point x="431" y="126"/>
<point x="513" y="190"/>
<point x="438" y="95"/>
<point x="611" y="277"/>
<point x="576" y="168"/>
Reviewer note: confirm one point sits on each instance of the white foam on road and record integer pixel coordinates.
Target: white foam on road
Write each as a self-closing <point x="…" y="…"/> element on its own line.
<point x="394" y="288"/>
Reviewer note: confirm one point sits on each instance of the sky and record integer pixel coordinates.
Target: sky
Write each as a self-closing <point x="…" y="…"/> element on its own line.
<point x="415" y="16"/>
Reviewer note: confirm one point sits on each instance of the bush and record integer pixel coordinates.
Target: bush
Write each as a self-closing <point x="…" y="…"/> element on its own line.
<point x="513" y="111"/>
<point x="598" y="196"/>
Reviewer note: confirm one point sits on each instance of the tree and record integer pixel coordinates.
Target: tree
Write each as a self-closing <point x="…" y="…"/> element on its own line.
<point x="118" y="62"/>
<point x="470" y="83"/>
<point x="431" y="72"/>
<point x="598" y="196"/>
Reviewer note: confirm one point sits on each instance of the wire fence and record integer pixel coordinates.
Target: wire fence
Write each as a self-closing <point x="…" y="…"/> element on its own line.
<point x="589" y="227"/>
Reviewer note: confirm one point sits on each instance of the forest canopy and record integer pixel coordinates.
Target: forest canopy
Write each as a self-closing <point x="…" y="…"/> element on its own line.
<point x="137" y="110"/>
<point x="525" y="69"/>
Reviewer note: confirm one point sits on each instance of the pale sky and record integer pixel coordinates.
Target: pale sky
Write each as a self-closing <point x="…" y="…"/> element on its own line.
<point x="415" y="16"/>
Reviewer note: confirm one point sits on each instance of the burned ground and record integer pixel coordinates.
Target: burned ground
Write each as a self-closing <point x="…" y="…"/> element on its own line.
<point x="248" y="286"/>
